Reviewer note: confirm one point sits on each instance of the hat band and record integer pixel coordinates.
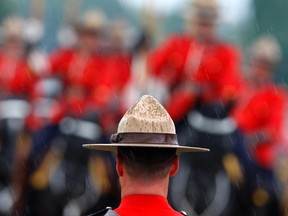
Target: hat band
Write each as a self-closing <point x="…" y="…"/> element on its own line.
<point x="144" y="138"/>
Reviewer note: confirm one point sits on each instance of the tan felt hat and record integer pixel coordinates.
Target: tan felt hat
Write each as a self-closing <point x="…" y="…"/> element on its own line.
<point x="92" y="20"/>
<point x="145" y="124"/>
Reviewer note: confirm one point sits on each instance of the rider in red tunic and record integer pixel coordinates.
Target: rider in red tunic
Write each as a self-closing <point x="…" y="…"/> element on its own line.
<point x="197" y="66"/>
<point x="260" y="116"/>
<point x="81" y="67"/>
<point x="260" y="113"/>
<point x="212" y="71"/>
<point x="16" y="76"/>
<point x="203" y="76"/>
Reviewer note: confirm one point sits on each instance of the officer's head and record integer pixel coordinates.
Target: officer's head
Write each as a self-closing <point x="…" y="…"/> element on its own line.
<point x="264" y="53"/>
<point x="146" y="145"/>
<point x="201" y="18"/>
<point x="13" y="36"/>
<point x="146" y="164"/>
<point x="119" y="35"/>
<point x="89" y="28"/>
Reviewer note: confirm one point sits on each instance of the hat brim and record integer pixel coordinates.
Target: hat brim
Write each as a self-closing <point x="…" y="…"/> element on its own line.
<point x="113" y="147"/>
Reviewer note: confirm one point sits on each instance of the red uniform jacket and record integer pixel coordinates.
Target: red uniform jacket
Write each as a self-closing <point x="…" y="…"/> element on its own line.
<point x="212" y="69"/>
<point x="113" y="78"/>
<point x="108" y="89"/>
<point x="80" y="75"/>
<point x="151" y="205"/>
<point x="93" y="82"/>
<point x="94" y="79"/>
<point x="16" y="77"/>
<point x="262" y="113"/>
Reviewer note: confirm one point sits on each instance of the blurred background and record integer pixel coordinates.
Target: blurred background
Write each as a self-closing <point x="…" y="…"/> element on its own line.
<point x="241" y="21"/>
<point x="69" y="69"/>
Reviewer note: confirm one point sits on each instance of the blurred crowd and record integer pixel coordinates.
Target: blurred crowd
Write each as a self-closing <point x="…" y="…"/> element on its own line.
<point x="219" y="96"/>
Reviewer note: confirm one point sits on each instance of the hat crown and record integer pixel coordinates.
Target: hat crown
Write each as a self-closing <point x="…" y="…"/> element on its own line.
<point x="92" y="19"/>
<point x="147" y="116"/>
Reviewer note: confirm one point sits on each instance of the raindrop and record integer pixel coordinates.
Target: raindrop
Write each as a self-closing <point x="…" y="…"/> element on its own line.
<point x="257" y="26"/>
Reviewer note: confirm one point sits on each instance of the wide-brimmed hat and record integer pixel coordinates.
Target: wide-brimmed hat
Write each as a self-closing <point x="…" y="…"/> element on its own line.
<point x="201" y="10"/>
<point x="145" y="124"/>
<point x="92" y="20"/>
<point x="265" y="48"/>
<point x="13" y="27"/>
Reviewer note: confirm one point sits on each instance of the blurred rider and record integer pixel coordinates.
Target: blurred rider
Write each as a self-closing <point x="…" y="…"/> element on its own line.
<point x="202" y="75"/>
<point x="260" y="117"/>
<point x="80" y="69"/>
<point x="17" y="79"/>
